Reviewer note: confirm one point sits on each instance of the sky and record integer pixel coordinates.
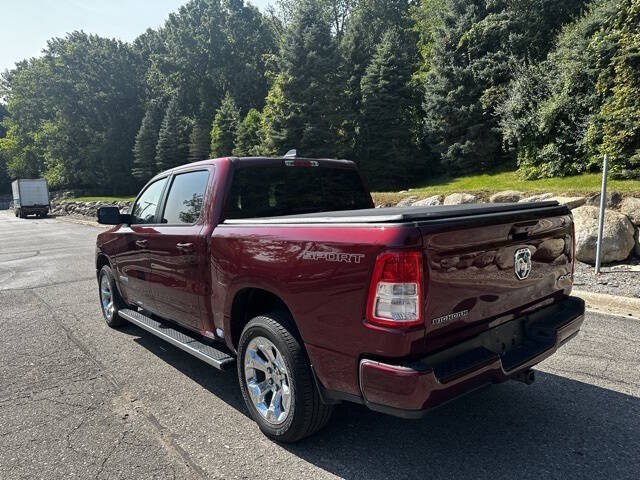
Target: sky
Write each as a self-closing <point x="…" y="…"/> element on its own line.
<point x="28" y="24"/>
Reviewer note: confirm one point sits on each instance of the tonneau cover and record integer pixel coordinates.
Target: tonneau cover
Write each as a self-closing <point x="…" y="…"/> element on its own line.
<point x="404" y="214"/>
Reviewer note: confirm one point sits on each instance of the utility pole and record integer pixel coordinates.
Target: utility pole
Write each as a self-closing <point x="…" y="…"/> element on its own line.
<point x="603" y="206"/>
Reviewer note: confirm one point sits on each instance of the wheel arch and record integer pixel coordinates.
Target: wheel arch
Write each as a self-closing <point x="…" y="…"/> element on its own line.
<point x="250" y="302"/>
<point x="101" y="261"/>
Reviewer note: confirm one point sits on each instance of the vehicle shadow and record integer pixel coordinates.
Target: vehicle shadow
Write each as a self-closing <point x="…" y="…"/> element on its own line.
<point x="556" y="428"/>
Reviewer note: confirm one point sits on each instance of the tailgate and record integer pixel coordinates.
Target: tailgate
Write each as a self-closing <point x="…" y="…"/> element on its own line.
<point x="481" y="275"/>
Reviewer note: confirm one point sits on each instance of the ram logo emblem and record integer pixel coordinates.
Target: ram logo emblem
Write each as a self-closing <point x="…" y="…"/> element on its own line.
<point x="522" y="263"/>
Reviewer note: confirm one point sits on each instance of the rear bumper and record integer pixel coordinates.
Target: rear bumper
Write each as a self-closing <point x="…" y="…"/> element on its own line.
<point x="410" y="389"/>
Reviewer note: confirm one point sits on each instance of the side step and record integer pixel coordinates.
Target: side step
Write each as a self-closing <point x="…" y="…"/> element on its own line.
<point x="204" y="352"/>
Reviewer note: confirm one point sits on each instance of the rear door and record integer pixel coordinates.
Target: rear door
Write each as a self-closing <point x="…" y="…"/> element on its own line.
<point x="179" y="265"/>
<point x="132" y="262"/>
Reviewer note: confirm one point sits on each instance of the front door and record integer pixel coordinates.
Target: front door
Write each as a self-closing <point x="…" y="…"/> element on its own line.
<point x="132" y="262"/>
<point x="179" y="263"/>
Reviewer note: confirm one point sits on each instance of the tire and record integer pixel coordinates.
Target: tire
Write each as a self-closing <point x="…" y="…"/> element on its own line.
<point x="110" y="301"/>
<point x="16" y="212"/>
<point x="305" y="414"/>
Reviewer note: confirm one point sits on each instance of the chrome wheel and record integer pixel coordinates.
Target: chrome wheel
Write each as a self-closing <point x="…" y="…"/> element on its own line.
<point x="267" y="380"/>
<point x="106" y="297"/>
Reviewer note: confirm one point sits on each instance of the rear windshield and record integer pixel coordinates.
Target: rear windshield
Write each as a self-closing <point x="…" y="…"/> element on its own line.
<point x="274" y="190"/>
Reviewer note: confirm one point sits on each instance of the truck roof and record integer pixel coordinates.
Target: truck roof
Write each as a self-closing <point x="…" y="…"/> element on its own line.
<point x="260" y="161"/>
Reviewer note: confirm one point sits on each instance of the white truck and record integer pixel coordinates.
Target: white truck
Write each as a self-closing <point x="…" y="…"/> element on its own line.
<point x="30" y="197"/>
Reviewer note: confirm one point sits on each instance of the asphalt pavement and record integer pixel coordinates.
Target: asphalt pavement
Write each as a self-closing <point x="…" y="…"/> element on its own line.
<point x="80" y="400"/>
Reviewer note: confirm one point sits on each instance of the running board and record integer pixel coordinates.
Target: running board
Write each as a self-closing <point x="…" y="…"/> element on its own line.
<point x="204" y="352"/>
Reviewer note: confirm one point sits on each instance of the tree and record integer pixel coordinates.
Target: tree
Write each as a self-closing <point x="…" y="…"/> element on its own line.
<point x="74" y="113"/>
<point x="199" y="141"/>
<point x="305" y="87"/>
<point x="620" y="113"/>
<point x="366" y="25"/>
<point x="4" y="173"/>
<point x="550" y="118"/>
<point x="386" y="114"/>
<point x="248" y="140"/>
<point x="172" y="148"/>
<point x="144" y="150"/>
<point x="476" y="49"/>
<point x="225" y="125"/>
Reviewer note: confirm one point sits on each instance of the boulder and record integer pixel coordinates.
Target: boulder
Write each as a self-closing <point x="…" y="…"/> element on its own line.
<point x="637" y="238"/>
<point x="407" y="201"/>
<point x="630" y="206"/>
<point x="427" y="202"/>
<point x="571" y="202"/>
<point x="613" y="199"/>
<point x="460" y="198"/>
<point x="537" y="198"/>
<point x="508" y="196"/>
<point x="618" y="238"/>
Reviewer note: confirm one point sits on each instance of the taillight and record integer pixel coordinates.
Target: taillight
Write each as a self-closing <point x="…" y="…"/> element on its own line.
<point x="396" y="290"/>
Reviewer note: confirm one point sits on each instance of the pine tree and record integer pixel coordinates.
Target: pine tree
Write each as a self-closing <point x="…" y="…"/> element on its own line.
<point x="173" y="146"/>
<point x="386" y="118"/>
<point x="475" y="52"/>
<point x="225" y="125"/>
<point x="300" y="111"/>
<point x="248" y="140"/>
<point x="200" y="138"/>
<point x="144" y="150"/>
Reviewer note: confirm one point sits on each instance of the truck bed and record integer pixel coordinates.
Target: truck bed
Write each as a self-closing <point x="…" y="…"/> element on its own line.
<point x="407" y="214"/>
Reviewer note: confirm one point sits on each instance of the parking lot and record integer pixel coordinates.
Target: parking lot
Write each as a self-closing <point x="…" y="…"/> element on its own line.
<point x="80" y="400"/>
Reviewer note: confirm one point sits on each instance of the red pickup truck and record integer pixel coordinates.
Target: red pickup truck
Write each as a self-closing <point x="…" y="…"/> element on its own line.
<point x="284" y="267"/>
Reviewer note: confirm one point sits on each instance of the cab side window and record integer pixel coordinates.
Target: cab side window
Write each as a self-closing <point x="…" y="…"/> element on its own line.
<point x="144" y="210"/>
<point x="185" y="198"/>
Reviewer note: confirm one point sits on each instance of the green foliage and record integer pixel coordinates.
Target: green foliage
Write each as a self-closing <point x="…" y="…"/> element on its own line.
<point x="408" y="88"/>
<point x="620" y="113"/>
<point x="225" y="125"/>
<point x="4" y="174"/>
<point x="173" y="139"/>
<point x="248" y="139"/>
<point x="200" y="139"/>
<point x="74" y="113"/>
<point x="564" y="113"/>
<point x="300" y="108"/>
<point x="386" y="114"/>
<point x="367" y="24"/>
<point x="144" y="150"/>
<point x="473" y="56"/>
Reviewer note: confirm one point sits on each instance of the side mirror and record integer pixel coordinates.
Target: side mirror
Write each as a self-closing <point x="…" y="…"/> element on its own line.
<point x="111" y="216"/>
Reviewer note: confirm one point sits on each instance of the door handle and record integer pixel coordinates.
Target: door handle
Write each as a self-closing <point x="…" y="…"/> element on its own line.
<point x="141" y="243"/>
<point x="185" y="247"/>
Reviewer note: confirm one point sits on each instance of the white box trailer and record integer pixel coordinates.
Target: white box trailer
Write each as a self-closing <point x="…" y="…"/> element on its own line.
<point x="30" y="197"/>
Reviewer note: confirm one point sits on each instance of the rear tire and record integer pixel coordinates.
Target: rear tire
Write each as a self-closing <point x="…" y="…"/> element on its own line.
<point x="110" y="301"/>
<point x="272" y="362"/>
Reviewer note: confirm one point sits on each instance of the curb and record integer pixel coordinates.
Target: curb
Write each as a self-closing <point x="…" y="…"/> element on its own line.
<point x="79" y="221"/>
<point x="611" y="304"/>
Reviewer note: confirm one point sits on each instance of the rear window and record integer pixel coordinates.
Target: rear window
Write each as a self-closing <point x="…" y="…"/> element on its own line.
<point x="185" y="198"/>
<point x="275" y="190"/>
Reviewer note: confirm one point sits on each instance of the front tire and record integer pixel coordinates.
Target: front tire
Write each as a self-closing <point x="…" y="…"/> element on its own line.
<point x="110" y="301"/>
<point x="276" y="380"/>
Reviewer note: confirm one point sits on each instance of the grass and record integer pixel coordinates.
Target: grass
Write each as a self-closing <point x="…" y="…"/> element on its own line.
<point x="486" y="184"/>
<point x="98" y="199"/>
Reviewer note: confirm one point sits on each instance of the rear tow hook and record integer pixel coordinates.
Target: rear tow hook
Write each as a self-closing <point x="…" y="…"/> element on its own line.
<point x="525" y="376"/>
